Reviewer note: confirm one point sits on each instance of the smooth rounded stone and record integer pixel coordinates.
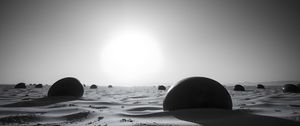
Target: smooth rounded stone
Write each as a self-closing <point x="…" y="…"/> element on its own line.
<point x="161" y="87"/>
<point x="68" y="86"/>
<point x="110" y="86"/>
<point x="291" y="88"/>
<point x="20" y="85"/>
<point x="238" y="88"/>
<point x="197" y="92"/>
<point x="260" y="86"/>
<point x="39" y="86"/>
<point x="93" y="86"/>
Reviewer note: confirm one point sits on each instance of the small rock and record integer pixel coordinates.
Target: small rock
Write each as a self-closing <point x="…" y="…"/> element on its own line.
<point x="161" y="87"/>
<point x="260" y="86"/>
<point x="238" y="88"/>
<point x="93" y="86"/>
<point x="20" y="85"/>
<point x="39" y="86"/>
<point x="290" y="88"/>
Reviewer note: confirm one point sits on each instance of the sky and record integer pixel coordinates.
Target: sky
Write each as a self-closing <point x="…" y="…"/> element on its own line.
<point x="230" y="41"/>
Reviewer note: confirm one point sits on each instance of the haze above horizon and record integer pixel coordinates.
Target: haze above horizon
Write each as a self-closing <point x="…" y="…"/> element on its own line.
<point x="146" y="42"/>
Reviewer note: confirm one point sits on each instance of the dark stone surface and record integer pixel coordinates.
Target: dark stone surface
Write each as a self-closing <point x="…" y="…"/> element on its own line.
<point x="93" y="86"/>
<point x="298" y="85"/>
<point x="39" y="86"/>
<point x="161" y="87"/>
<point x="20" y="85"/>
<point x="197" y="92"/>
<point x="110" y="86"/>
<point x="291" y="88"/>
<point x="68" y="86"/>
<point x="238" y="88"/>
<point x="260" y="86"/>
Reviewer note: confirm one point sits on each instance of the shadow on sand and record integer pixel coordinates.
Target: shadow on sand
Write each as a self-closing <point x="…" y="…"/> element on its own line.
<point x="41" y="101"/>
<point x="215" y="117"/>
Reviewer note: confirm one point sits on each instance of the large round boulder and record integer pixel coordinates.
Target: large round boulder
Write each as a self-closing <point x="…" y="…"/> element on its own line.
<point x="238" y="88"/>
<point x="20" y="85"/>
<point x="68" y="86"/>
<point x="197" y="92"/>
<point x="260" y="86"/>
<point x="291" y="88"/>
<point x="161" y="87"/>
<point x="93" y="86"/>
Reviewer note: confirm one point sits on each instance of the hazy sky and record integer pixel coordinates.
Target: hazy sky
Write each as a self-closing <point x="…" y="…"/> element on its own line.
<point x="227" y="40"/>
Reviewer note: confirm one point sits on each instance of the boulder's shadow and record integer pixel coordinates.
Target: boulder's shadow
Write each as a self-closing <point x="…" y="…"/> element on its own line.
<point x="216" y="117"/>
<point x="41" y="101"/>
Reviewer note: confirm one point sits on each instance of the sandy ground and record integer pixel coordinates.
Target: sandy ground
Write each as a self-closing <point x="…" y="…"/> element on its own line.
<point x="142" y="106"/>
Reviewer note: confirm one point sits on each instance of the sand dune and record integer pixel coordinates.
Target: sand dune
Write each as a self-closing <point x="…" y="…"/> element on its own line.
<point x="142" y="106"/>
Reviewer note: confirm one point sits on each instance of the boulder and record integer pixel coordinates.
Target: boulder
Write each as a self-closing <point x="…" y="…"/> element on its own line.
<point x="260" y="86"/>
<point x="20" y="85"/>
<point x="93" y="86"/>
<point x="238" y="88"/>
<point x="290" y="88"/>
<point x="39" y="86"/>
<point x="68" y="86"/>
<point x="197" y="92"/>
<point x="161" y="87"/>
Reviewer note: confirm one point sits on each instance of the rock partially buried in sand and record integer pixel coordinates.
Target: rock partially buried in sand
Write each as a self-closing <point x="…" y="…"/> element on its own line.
<point x="161" y="87"/>
<point x="93" y="86"/>
<point x="298" y="85"/>
<point x="20" y="85"/>
<point x="68" y="86"/>
<point x="110" y="86"/>
<point x="197" y="92"/>
<point x="238" y="88"/>
<point x="39" y="86"/>
<point x="260" y="86"/>
<point x="291" y="88"/>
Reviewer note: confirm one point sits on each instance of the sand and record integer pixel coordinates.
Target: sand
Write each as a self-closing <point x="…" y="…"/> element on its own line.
<point x="142" y="106"/>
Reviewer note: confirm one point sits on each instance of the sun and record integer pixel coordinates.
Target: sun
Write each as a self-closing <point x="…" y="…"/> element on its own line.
<point x="131" y="55"/>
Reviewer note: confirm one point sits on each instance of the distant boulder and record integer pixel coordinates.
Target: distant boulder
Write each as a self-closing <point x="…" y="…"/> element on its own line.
<point x="161" y="87"/>
<point x="93" y="86"/>
<point x="197" y="92"/>
<point x="298" y="85"/>
<point x="39" y="86"/>
<point x="110" y="86"/>
<point x="68" y="86"/>
<point x="238" y="88"/>
<point x="20" y="85"/>
<point x="260" y="86"/>
<point x="290" y="88"/>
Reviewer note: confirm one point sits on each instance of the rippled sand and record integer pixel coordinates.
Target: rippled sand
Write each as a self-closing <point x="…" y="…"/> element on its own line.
<point x="142" y="106"/>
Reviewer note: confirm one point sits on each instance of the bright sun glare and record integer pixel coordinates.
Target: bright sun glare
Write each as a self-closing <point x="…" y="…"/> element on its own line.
<point x="131" y="55"/>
